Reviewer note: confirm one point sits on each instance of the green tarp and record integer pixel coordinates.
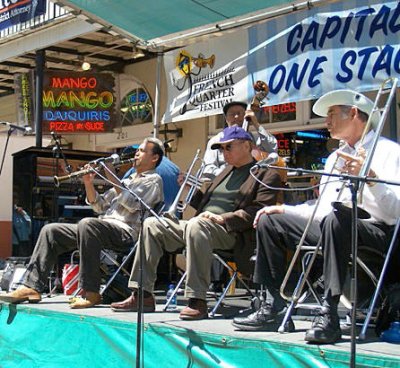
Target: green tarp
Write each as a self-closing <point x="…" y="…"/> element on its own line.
<point x="147" y="20"/>
<point x="32" y="338"/>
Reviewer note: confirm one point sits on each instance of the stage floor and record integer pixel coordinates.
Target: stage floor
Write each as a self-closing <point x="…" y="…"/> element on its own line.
<point x="371" y="351"/>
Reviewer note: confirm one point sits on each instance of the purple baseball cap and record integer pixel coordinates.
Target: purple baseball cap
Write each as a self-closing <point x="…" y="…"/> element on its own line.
<point x="231" y="134"/>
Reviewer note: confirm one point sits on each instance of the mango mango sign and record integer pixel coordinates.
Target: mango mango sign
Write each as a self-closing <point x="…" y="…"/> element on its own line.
<point x="78" y="102"/>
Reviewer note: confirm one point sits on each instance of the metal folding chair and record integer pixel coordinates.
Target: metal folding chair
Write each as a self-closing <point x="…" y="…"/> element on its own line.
<point x="300" y="294"/>
<point x="224" y="259"/>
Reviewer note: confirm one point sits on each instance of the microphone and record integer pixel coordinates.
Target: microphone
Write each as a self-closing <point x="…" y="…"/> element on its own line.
<point x="26" y="129"/>
<point x="270" y="160"/>
<point x="114" y="159"/>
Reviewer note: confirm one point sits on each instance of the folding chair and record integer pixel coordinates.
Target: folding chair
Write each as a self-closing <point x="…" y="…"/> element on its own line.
<point x="224" y="258"/>
<point x="299" y="295"/>
<point x="158" y="208"/>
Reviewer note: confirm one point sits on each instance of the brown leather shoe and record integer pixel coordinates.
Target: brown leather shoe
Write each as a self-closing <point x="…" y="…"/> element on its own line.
<point x="130" y="304"/>
<point x="90" y="300"/>
<point x="22" y="294"/>
<point x="197" y="309"/>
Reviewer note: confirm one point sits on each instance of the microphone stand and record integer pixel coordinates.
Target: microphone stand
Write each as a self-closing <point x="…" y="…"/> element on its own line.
<point x="354" y="184"/>
<point x="9" y="132"/>
<point x="59" y="150"/>
<point x="143" y="208"/>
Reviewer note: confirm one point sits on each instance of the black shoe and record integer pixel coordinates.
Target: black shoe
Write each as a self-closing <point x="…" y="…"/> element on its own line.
<point x="325" y="328"/>
<point x="265" y="319"/>
<point x="216" y="287"/>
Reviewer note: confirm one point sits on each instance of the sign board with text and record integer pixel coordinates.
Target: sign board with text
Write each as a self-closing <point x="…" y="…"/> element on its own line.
<point x="13" y="12"/>
<point x="75" y="102"/>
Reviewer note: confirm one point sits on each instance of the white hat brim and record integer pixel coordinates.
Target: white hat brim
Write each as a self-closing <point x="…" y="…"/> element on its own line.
<point x="346" y="97"/>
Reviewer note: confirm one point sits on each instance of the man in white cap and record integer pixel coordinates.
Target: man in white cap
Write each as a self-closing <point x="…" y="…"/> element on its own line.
<point x="281" y="227"/>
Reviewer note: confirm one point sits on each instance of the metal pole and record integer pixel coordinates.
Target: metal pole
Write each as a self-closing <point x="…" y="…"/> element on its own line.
<point x="392" y="118"/>
<point x="157" y="95"/>
<point x="40" y="61"/>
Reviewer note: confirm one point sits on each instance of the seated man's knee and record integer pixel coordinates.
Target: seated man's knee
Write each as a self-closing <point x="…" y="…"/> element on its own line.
<point x="196" y="224"/>
<point x="264" y="221"/>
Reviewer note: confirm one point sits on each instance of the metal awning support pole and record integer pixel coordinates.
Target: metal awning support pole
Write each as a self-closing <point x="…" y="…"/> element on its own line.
<point x="156" y="117"/>
<point x="40" y="61"/>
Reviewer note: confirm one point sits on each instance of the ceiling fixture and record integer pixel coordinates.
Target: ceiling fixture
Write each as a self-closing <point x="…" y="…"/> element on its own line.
<point x="137" y="53"/>
<point x="85" y="65"/>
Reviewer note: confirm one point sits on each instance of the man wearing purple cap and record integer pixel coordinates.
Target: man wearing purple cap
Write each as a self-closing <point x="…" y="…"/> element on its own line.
<point x="224" y="217"/>
<point x="236" y="113"/>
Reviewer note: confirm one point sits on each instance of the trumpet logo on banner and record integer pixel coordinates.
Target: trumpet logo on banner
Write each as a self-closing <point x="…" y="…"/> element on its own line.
<point x="188" y="68"/>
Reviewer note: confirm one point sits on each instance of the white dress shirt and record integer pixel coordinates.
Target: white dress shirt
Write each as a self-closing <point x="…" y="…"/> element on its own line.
<point x="381" y="201"/>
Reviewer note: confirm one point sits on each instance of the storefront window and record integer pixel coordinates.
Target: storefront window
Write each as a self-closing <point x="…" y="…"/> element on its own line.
<point x="309" y="150"/>
<point x="269" y="114"/>
<point x="136" y="107"/>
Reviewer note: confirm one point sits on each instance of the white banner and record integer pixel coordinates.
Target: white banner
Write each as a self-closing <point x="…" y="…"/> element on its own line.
<point x="350" y="44"/>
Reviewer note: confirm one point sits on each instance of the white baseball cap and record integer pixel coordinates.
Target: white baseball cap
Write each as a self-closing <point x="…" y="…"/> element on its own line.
<point x="346" y="97"/>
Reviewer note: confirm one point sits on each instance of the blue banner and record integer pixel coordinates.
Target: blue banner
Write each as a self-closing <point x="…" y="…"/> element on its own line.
<point x="13" y="12"/>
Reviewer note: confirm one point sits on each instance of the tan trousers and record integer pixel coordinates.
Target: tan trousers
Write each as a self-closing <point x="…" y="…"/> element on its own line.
<point x="200" y="237"/>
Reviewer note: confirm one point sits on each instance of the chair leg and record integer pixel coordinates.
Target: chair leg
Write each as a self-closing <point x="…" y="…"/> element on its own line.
<point x="121" y="267"/>
<point x="235" y="277"/>
<point x="380" y="282"/>
<point x="297" y="298"/>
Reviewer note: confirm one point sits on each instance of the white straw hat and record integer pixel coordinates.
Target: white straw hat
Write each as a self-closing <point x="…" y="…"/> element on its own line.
<point x="346" y="97"/>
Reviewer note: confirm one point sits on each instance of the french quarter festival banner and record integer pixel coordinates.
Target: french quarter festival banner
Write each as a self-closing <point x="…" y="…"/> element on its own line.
<point x="348" y="44"/>
<point x="13" y="12"/>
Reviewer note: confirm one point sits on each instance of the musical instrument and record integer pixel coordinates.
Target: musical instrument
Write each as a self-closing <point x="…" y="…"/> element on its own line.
<point x="77" y="174"/>
<point x="195" y="183"/>
<point x="298" y="292"/>
<point x="261" y="91"/>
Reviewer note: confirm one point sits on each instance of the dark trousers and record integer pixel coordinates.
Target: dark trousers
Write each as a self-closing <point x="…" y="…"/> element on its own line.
<point x="279" y="232"/>
<point x="89" y="236"/>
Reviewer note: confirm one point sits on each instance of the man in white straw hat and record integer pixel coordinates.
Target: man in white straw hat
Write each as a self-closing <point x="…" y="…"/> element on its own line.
<point x="281" y="227"/>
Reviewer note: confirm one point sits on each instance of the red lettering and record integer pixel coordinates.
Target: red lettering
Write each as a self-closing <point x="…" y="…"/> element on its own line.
<point x="77" y="83"/>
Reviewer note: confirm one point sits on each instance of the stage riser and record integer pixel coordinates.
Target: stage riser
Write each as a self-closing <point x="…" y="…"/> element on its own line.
<point x="32" y="337"/>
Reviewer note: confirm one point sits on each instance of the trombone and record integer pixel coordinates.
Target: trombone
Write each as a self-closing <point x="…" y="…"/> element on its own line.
<point x="294" y="298"/>
<point x="77" y="174"/>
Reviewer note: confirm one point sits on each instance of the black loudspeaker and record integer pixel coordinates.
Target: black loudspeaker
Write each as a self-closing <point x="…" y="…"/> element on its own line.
<point x="13" y="272"/>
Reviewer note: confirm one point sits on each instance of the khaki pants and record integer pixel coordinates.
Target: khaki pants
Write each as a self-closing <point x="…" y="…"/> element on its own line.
<point x="200" y="237"/>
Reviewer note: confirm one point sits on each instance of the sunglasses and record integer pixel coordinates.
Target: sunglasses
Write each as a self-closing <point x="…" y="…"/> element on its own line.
<point x="228" y="147"/>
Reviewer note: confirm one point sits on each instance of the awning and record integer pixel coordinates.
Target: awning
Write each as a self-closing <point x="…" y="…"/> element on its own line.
<point x="166" y="23"/>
